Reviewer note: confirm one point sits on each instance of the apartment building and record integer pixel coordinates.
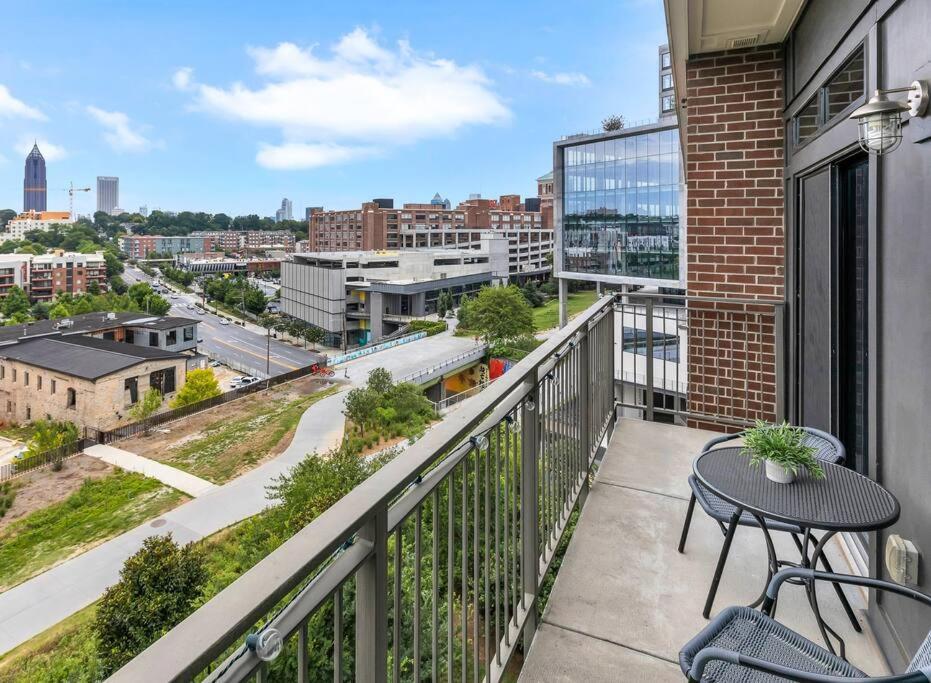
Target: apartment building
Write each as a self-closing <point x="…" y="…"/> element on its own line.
<point x="42" y="277"/>
<point x="249" y="240"/>
<point x="378" y="225"/>
<point x="16" y="228"/>
<point x="360" y="296"/>
<point x="66" y="272"/>
<point x="141" y="246"/>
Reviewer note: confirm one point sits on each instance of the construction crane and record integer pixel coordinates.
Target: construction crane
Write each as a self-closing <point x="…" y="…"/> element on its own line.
<point x="71" y="189"/>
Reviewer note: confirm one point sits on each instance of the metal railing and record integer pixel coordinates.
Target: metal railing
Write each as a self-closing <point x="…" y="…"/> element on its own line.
<point x="449" y="401"/>
<point x="28" y="463"/>
<point x="432" y="567"/>
<point x="701" y="359"/>
<point x="422" y="375"/>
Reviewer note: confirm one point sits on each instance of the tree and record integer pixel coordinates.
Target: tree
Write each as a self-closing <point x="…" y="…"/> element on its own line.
<point x="114" y="265"/>
<point x="15" y="302"/>
<point x="501" y="314"/>
<point x="613" y="122"/>
<point x="465" y="310"/>
<point x="361" y="406"/>
<point x="151" y="401"/>
<point x="156" y="304"/>
<point x="314" y="335"/>
<point x="444" y="303"/>
<point x="49" y="434"/>
<point x="255" y="299"/>
<point x="200" y="385"/>
<point x="57" y="311"/>
<point x="93" y="288"/>
<point x="532" y="294"/>
<point x="158" y="587"/>
<point x="380" y="381"/>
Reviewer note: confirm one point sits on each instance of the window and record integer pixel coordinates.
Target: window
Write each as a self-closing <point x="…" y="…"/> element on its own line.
<point x="163" y="380"/>
<point x="188" y="334"/>
<point x="2" y="372"/>
<point x="9" y="406"/>
<point x="171" y="338"/>
<point x="669" y="103"/>
<point x="28" y="413"/>
<point x="72" y="400"/>
<point x="667" y="81"/>
<point x="665" y="60"/>
<point x="153" y="338"/>
<point x="131" y="390"/>
<point x="839" y="92"/>
<point x="53" y="386"/>
<point x="14" y="374"/>
<point x="39" y="382"/>
<point x="26" y="379"/>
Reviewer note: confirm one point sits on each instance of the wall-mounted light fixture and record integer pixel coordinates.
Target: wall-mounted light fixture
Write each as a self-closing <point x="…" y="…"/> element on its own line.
<point x="879" y="121"/>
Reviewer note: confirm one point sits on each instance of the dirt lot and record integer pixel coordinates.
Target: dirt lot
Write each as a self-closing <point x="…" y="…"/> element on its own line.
<point x="221" y="443"/>
<point x="43" y="487"/>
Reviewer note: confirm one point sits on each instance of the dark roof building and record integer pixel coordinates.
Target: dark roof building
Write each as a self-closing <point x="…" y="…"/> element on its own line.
<point x="84" y="357"/>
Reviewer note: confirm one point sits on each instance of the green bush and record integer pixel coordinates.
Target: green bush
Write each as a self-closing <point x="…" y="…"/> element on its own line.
<point x="431" y="327"/>
<point x="7" y="494"/>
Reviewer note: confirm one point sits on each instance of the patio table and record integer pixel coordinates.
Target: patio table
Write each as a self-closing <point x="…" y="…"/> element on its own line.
<point x="843" y="501"/>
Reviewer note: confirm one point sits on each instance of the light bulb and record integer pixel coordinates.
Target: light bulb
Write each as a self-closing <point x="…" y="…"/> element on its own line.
<point x="513" y="425"/>
<point x="480" y="442"/>
<point x="529" y="405"/>
<point x="266" y="644"/>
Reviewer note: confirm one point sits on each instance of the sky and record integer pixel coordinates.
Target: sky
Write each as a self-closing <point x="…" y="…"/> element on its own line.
<point x="230" y="106"/>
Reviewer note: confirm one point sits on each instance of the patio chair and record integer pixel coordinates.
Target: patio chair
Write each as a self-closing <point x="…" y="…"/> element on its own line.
<point x="827" y="449"/>
<point x="741" y="641"/>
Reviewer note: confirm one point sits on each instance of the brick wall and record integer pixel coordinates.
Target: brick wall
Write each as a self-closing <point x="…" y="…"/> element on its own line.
<point x="736" y="229"/>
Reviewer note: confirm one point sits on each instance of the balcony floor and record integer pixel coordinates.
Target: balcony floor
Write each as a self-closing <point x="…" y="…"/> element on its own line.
<point x="625" y="600"/>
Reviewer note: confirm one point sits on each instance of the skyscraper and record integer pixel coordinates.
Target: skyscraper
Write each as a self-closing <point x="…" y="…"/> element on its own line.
<point x="285" y="212"/>
<point x="35" y="187"/>
<point x="108" y="193"/>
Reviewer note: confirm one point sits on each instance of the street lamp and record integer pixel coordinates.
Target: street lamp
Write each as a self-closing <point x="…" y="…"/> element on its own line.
<point x="879" y="121"/>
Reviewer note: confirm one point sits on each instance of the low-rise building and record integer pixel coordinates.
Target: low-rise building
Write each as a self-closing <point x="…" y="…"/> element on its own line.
<point x="141" y="246"/>
<point x="249" y="240"/>
<point x="14" y="270"/>
<point x="91" y="382"/>
<point x="378" y="225"/>
<point x="215" y="264"/>
<point x="358" y="297"/>
<point x="16" y="228"/>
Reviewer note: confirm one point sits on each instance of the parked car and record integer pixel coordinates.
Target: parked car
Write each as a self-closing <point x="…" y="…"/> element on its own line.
<point x="215" y="364"/>
<point x="224" y="321"/>
<point x="243" y="381"/>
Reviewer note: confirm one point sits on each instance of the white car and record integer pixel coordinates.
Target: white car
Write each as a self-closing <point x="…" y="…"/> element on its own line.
<point x="174" y="296"/>
<point x="224" y="321"/>
<point x="243" y="381"/>
<point x="215" y="364"/>
<point x="190" y="306"/>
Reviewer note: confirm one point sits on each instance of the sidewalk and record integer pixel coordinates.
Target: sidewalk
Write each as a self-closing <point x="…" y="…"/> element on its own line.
<point x="170" y="476"/>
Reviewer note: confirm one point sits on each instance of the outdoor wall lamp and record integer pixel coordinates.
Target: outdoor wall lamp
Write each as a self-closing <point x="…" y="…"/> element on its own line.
<point x="879" y="121"/>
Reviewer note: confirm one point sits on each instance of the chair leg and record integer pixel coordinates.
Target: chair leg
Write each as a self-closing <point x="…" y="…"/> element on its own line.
<point x="722" y="560"/>
<point x="688" y="523"/>
<point x="840" y="594"/>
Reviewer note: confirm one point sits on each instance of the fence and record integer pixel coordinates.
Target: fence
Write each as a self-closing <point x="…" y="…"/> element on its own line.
<point x="702" y="360"/>
<point x="374" y="348"/>
<point x="33" y="462"/>
<point x="423" y="375"/>
<point x="431" y="568"/>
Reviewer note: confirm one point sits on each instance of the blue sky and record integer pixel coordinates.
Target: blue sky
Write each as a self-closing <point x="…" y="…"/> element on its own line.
<point x="229" y="106"/>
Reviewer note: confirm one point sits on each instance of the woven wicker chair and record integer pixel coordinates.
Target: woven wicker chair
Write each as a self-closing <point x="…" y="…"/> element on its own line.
<point x="827" y="449"/>
<point x="742" y="644"/>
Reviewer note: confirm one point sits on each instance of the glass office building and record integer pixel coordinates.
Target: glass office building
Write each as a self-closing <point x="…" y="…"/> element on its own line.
<point x="620" y="206"/>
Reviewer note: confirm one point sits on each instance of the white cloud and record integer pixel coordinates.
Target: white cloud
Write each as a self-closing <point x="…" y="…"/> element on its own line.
<point x="11" y="107"/>
<point x="50" y="151"/>
<point x="119" y="132"/>
<point x="297" y="155"/>
<point x="182" y="78"/>
<point x="562" y="78"/>
<point x="361" y="98"/>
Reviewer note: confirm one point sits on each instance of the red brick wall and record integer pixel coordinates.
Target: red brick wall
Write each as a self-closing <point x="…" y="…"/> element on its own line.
<point x="736" y="229"/>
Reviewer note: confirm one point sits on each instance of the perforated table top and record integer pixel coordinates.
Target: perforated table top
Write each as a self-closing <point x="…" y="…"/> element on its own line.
<point x="843" y="501"/>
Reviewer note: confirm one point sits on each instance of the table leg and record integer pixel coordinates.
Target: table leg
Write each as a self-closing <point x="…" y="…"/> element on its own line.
<point x="722" y="560"/>
<point x="840" y="593"/>
<point x="811" y="589"/>
<point x="772" y="559"/>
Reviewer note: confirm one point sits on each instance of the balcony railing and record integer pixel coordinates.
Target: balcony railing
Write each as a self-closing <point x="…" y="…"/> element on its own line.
<point x="434" y="565"/>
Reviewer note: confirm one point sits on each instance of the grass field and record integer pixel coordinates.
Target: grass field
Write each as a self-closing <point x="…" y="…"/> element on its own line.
<point x="99" y="510"/>
<point x="230" y="447"/>
<point x="547" y="316"/>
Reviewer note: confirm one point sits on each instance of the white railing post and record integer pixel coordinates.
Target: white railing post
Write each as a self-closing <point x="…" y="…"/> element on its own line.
<point x="372" y="603"/>
<point x="585" y="412"/>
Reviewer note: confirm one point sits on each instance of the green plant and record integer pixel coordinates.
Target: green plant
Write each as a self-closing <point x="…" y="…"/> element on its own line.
<point x="783" y="445"/>
<point x="200" y="385"/>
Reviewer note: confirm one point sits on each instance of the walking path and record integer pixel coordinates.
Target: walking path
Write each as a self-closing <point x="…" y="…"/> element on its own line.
<point x="43" y="601"/>
<point x="170" y="476"/>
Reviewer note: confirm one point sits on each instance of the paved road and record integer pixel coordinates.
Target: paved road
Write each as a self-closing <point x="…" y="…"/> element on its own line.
<point x="172" y="476"/>
<point x="244" y="349"/>
<point x="41" y="602"/>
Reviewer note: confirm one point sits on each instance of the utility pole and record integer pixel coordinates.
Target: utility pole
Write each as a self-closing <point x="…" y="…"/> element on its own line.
<point x="268" y="352"/>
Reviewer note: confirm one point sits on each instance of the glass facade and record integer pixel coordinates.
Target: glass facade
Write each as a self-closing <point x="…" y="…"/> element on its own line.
<point x="621" y="206"/>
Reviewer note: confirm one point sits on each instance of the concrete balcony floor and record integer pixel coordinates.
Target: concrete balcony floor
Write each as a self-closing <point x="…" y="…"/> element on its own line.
<point x="625" y="600"/>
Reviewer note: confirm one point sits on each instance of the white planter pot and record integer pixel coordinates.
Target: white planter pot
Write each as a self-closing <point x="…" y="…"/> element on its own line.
<point x="778" y="473"/>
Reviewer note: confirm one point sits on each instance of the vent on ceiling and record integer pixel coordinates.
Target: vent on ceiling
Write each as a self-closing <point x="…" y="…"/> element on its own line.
<point x="743" y="41"/>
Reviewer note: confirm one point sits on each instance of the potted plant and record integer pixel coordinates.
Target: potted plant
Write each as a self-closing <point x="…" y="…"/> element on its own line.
<point x="782" y="448"/>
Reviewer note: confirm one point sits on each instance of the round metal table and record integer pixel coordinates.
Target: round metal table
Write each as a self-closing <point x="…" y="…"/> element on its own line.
<point x="843" y="501"/>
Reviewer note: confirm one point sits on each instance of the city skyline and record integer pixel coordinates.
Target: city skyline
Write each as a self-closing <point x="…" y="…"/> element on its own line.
<point x="220" y="123"/>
